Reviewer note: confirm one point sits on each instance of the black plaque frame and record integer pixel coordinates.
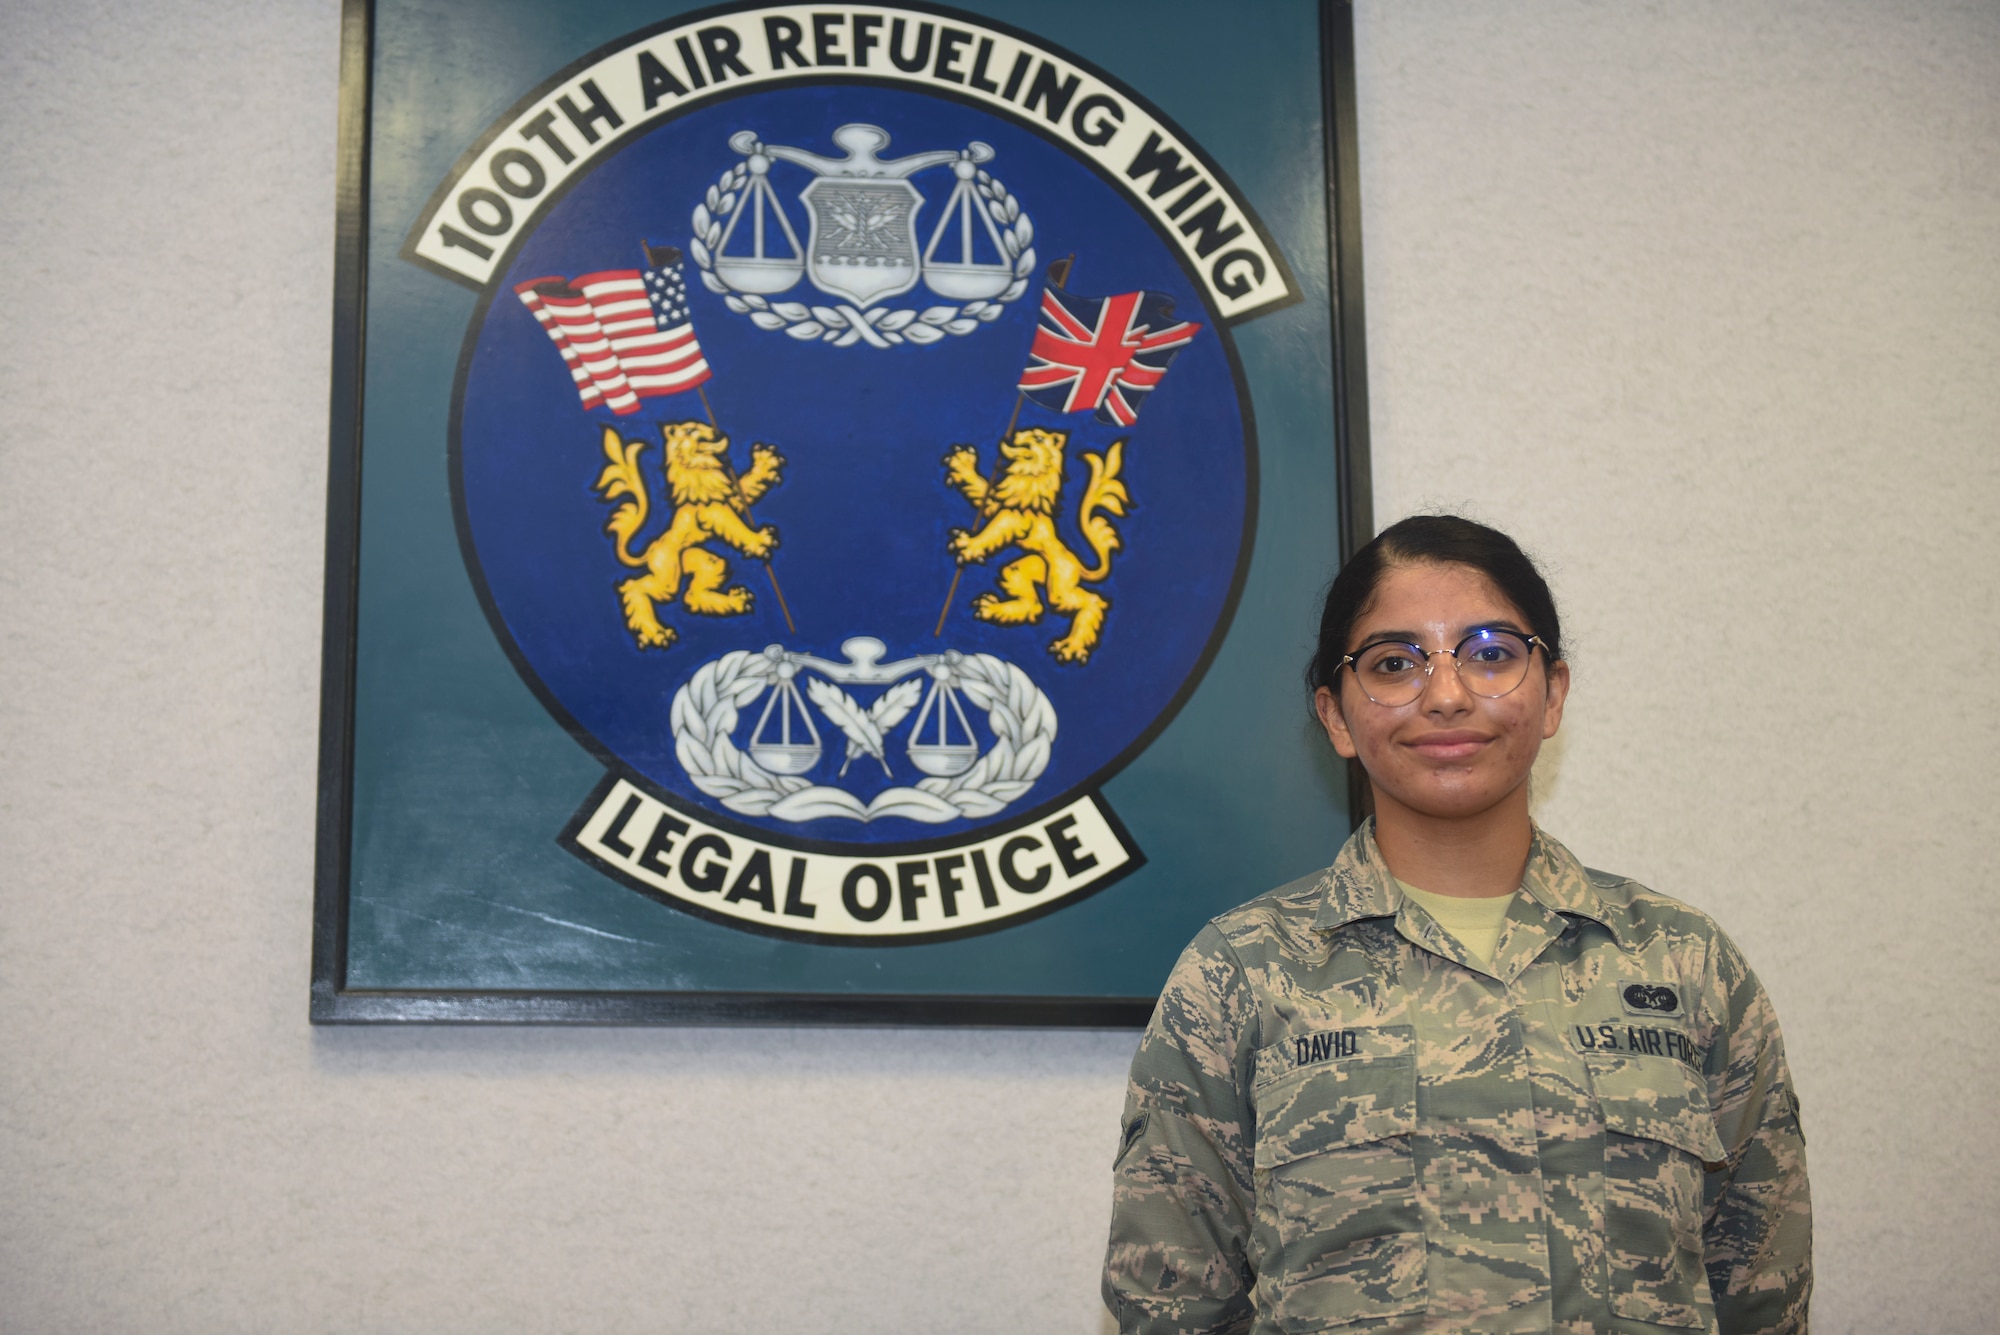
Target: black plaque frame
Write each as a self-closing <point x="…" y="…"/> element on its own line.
<point x="333" y="1002"/>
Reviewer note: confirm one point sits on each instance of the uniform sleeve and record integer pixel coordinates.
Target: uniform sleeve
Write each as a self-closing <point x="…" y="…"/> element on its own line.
<point x="1757" y="1227"/>
<point x="1181" y="1189"/>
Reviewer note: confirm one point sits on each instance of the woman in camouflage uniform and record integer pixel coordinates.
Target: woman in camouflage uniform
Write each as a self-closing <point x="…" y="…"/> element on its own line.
<point x="1457" y="1081"/>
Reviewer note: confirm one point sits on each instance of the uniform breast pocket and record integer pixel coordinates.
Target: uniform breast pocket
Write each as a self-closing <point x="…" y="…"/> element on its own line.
<point x="1337" y="1194"/>
<point x="1659" y="1133"/>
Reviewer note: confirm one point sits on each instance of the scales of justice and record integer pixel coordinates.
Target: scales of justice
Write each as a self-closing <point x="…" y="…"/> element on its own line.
<point x="786" y="740"/>
<point x="863" y="239"/>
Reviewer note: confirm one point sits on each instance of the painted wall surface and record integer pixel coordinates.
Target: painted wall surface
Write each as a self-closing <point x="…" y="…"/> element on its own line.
<point x="1702" y="300"/>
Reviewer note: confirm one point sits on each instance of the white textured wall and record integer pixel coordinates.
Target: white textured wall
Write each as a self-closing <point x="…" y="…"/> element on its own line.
<point x="1701" y="299"/>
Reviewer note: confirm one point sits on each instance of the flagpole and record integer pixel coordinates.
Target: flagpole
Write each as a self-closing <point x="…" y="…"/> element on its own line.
<point x="1059" y="276"/>
<point x="659" y="257"/>
<point x="730" y="467"/>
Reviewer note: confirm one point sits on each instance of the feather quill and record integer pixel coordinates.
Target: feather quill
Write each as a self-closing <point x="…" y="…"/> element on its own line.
<point x="861" y="731"/>
<point x="889" y="709"/>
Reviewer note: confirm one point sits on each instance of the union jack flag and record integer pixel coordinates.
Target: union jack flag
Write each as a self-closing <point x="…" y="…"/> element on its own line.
<point x="1106" y="353"/>
<point x="625" y="335"/>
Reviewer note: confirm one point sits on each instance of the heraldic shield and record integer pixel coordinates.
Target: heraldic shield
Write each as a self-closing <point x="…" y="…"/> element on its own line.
<point x="864" y="237"/>
<point x="849" y="534"/>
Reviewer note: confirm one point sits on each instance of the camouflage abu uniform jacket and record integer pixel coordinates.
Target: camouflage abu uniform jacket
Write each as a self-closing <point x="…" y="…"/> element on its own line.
<point x="1337" y="1121"/>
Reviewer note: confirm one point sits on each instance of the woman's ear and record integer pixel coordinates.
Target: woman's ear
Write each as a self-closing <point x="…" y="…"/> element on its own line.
<point x="1327" y="705"/>
<point x="1552" y="717"/>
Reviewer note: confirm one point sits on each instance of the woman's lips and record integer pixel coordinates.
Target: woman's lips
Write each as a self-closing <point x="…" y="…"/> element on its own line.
<point x="1448" y="745"/>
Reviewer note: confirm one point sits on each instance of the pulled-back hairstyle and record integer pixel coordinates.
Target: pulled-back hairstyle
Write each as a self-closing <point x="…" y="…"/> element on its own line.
<point x="1430" y="540"/>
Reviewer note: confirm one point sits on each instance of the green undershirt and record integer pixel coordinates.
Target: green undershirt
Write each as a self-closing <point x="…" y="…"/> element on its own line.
<point x="1474" y="923"/>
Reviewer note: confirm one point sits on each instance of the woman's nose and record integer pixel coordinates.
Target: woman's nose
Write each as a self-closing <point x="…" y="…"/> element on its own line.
<point x="1442" y="687"/>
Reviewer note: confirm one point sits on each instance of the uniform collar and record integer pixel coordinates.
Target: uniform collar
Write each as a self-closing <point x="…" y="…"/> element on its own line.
<point x="1359" y="885"/>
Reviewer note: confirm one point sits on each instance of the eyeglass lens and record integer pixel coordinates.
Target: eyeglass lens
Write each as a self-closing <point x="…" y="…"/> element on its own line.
<point x="1490" y="663"/>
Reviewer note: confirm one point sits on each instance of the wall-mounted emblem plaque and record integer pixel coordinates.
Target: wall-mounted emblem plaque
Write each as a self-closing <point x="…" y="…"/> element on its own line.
<point x="800" y="483"/>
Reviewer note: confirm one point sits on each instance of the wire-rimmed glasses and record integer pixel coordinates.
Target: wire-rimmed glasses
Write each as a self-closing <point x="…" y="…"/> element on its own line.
<point x="1489" y="663"/>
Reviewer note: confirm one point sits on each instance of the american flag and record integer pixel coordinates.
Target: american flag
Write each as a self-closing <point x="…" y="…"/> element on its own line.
<point x="1106" y="353"/>
<point x="625" y="334"/>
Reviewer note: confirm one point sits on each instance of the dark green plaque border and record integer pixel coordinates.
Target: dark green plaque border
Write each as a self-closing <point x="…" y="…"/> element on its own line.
<point x="333" y="1002"/>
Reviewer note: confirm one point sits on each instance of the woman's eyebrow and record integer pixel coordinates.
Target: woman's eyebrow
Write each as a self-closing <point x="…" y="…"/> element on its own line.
<point x="1416" y="637"/>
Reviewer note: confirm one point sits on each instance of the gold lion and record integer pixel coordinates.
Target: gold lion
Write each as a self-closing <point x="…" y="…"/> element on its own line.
<point x="710" y="501"/>
<point x="1019" y="510"/>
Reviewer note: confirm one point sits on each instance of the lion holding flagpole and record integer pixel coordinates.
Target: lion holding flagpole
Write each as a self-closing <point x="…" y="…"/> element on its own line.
<point x="710" y="502"/>
<point x="1018" y="510"/>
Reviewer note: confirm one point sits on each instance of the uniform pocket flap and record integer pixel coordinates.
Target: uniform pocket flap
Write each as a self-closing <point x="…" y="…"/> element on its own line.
<point x="1655" y="1098"/>
<point x="1339" y="1104"/>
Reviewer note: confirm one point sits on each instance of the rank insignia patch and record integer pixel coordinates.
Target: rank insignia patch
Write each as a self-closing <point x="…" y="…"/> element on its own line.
<point x="853" y="456"/>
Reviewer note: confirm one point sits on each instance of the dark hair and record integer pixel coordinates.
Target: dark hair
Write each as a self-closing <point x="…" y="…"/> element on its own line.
<point x="1431" y="540"/>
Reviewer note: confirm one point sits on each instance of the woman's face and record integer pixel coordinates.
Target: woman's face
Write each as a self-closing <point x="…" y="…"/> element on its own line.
<point x="1448" y="754"/>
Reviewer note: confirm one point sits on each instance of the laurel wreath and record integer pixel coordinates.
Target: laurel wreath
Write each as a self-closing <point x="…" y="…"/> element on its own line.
<point x="879" y="326"/>
<point x="705" y="712"/>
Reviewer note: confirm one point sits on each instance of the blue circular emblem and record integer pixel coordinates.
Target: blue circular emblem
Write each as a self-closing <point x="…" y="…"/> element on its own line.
<point x="807" y="493"/>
